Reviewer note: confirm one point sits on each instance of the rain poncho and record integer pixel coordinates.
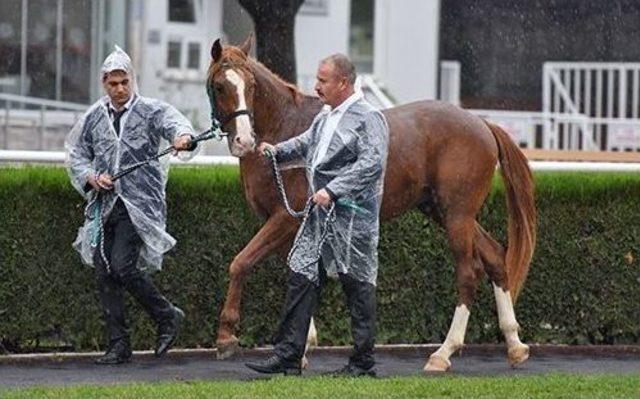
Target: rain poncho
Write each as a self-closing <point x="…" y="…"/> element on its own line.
<point x="353" y="170"/>
<point x="94" y="147"/>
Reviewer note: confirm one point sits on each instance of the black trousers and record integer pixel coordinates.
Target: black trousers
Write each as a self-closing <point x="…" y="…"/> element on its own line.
<point x="122" y="247"/>
<point x="301" y="302"/>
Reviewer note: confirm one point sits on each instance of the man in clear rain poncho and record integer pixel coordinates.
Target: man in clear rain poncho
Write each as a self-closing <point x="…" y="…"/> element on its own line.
<point x="124" y="234"/>
<point x="345" y="152"/>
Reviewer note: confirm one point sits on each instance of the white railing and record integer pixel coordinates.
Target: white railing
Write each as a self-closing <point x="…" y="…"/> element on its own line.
<point x="450" y="81"/>
<point x="28" y="123"/>
<point x="374" y="93"/>
<point x="58" y="158"/>
<point x="530" y="129"/>
<point x="19" y="113"/>
<point x="526" y="126"/>
<point x="607" y="93"/>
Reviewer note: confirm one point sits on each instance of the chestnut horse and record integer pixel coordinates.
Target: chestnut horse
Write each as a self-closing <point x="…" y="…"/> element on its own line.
<point x="441" y="161"/>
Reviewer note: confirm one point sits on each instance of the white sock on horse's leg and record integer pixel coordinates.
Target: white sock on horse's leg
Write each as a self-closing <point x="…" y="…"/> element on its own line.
<point x="439" y="360"/>
<point x="506" y="316"/>
<point x="312" y="337"/>
<point x="518" y="352"/>
<point x="312" y="340"/>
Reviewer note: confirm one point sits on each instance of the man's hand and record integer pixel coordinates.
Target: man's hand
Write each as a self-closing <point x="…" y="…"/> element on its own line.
<point x="322" y="198"/>
<point x="100" y="182"/>
<point x="182" y="143"/>
<point x="264" y="146"/>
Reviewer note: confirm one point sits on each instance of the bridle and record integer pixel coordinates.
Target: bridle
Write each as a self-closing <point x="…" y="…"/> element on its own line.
<point x="223" y="120"/>
<point x="218" y="120"/>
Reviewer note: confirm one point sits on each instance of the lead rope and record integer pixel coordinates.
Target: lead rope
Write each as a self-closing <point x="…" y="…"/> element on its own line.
<point x="304" y="213"/>
<point x="98" y="227"/>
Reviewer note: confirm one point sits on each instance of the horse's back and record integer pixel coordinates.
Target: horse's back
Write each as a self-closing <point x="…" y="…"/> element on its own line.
<point x="439" y="122"/>
<point x="434" y="146"/>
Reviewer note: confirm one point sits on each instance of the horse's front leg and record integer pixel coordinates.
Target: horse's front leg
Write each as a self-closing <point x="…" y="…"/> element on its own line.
<point x="279" y="229"/>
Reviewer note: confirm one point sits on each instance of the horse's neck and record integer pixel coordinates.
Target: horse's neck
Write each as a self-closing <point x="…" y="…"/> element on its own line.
<point x="280" y="112"/>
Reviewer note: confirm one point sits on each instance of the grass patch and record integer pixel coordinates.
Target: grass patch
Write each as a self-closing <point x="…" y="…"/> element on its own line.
<point x="541" y="386"/>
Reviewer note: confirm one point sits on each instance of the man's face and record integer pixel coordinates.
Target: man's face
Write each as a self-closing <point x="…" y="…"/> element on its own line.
<point x="117" y="84"/>
<point x="329" y="86"/>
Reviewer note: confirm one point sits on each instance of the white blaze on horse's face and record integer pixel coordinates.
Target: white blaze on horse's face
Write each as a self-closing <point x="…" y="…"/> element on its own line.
<point x="243" y="141"/>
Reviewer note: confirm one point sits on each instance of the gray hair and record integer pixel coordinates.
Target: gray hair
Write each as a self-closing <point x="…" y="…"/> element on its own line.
<point x="343" y="65"/>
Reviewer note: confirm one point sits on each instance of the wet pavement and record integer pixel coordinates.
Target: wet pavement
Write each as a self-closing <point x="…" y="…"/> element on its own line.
<point x="203" y="365"/>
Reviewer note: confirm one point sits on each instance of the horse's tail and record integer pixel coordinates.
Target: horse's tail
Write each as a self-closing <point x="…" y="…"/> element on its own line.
<point x="519" y="188"/>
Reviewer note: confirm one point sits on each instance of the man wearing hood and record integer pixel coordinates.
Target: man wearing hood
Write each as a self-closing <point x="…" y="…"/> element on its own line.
<point x="124" y="235"/>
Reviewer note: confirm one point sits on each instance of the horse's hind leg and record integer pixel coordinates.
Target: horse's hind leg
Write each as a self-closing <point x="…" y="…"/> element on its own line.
<point x="493" y="259"/>
<point x="460" y="230"/>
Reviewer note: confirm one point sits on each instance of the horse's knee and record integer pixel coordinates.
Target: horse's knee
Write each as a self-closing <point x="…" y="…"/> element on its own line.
<point x="229" y="317"/>
<point x="467" y="283"/>
<point x="238" y="269"/>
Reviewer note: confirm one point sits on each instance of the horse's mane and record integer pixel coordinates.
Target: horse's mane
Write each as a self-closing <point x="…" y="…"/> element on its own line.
<point x="234" y="57"/>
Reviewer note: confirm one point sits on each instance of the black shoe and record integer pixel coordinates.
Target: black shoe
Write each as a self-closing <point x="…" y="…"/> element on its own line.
<point x="119" y="352"/>
<point x="275" y="365"/>
<point x="168" y="332"/>
<point x="351" y="370"/>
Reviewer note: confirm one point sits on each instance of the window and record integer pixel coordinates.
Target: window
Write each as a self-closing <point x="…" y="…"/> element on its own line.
<point x="315" y="7"/>
<point x="173" y="55"/>
<point x="361" y="35"/>
<point x="182" y="11"/>
<point x="193" y="56"/>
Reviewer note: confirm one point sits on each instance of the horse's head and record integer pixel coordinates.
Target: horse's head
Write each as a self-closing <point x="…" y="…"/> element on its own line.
<point x="231" y="86"/>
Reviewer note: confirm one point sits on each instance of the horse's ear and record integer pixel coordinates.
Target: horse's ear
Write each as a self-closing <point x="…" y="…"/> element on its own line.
<point x="246" y="46"/>
<point x="216" y="50"/>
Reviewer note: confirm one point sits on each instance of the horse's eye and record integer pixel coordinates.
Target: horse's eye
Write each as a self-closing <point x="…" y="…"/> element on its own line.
<point x="218" y="88"/>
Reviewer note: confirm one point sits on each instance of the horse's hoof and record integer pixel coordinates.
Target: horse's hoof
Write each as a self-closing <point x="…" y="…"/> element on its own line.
<point x="304" y="363"/>
<point x="437" y="364"/>
<point x="518" y="354"/>
<point x="227" y="347"/>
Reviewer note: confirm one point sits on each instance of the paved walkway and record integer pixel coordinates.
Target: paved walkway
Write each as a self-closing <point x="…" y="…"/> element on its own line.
<point x="404" y="361"/>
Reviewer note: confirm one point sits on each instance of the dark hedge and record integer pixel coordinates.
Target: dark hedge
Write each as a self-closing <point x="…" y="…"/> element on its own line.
<point x="583" y="286"/>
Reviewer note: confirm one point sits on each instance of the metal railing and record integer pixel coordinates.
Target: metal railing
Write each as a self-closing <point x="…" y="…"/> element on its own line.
<point x="587" y="106"/>
<point x="57" y="158"/>
<point x="526" y="126"/>
<point x="374" y="93"/>
<point x="21" y="113"/>
<point x="17" y="157"/>
<point x="607" y="93"/>
<point x="450" y="82"/>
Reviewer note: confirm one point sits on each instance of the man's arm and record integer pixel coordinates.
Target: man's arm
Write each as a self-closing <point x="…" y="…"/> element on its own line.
<point x="296" y="147"/>
<point x="176" y="128"/>
<point x="372" y="153"/>
<point x="79" y="162"/>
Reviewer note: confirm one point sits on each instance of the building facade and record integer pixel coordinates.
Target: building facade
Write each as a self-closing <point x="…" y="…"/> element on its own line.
<point x="54" y="48"/>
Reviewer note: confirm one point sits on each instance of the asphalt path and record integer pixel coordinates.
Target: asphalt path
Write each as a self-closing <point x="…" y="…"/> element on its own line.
<point x="22" y="371"/>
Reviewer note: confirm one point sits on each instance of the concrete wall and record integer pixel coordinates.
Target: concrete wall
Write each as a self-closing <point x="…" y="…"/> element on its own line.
<point x="318" y="35"/>
<point x="181" y="86"/>
<point x="406" y="42"/>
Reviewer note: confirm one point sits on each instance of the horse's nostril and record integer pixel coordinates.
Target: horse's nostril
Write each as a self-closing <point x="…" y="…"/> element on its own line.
<point x="236" y="140"/>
